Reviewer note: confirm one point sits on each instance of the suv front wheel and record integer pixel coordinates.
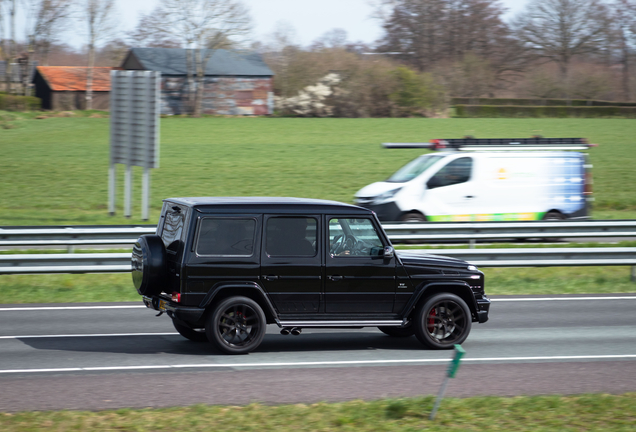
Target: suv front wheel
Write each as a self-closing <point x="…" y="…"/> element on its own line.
<point x="236" y="325"/>
<point x="443" y="321"/>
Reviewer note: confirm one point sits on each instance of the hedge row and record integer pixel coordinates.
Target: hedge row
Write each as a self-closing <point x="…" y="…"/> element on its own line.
<point x="538" y="102"/>
<point x="19" y="103"/>
<point x="491" y="111"/>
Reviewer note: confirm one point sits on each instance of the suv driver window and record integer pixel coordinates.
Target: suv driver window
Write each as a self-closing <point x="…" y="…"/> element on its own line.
<point x="457" y="171"/>
<point x="354" y="237"/>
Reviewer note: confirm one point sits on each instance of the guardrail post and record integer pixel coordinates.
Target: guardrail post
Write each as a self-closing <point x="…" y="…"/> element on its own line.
<point x="633" y="278"/>
<point x="472" y="243"/>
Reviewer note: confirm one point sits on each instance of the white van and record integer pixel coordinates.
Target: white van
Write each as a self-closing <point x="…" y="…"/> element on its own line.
<point x="484" y="186"/>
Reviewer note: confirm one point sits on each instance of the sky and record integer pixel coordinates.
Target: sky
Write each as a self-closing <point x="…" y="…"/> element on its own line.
<point x="310" y="18"/>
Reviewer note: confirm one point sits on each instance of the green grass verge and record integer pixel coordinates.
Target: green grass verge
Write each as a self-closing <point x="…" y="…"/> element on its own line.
<point x="504" y="281"/>
<point x="541" y="413"/>
<point x="54" y="170"/>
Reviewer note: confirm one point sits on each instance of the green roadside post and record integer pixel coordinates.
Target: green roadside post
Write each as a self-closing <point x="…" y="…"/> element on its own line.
<point x="450" y="373"/>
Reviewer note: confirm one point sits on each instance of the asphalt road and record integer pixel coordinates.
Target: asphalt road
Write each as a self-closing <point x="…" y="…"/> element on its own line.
<point x="99" y="356"/>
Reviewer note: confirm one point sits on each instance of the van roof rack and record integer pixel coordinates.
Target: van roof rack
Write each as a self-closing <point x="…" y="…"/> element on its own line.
<point x="499" y="144"/>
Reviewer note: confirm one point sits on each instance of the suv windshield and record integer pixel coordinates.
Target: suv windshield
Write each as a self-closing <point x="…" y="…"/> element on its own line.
<point x="414" y="168"/>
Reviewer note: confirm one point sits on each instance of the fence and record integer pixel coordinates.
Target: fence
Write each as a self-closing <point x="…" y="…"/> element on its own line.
<point x="71" y="237"/>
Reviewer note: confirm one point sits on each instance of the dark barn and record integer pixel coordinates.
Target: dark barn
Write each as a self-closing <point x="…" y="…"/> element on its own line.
<point x="234" y="83"/>
<point x="63" y="88"/>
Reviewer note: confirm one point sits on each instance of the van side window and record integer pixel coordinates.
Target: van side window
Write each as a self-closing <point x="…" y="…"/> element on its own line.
<point x="455" y="172"/>
<point x="291" y="236"/>
<point x="226" y="237"/>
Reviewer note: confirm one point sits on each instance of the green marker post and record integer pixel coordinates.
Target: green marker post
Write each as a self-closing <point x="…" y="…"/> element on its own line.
<point x="450" y="373"/>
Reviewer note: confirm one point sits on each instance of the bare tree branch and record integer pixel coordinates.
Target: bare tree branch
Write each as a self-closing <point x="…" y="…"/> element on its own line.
<point x="99" y="18"/>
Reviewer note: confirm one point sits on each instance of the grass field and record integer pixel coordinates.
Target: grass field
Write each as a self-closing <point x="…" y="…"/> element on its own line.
<point x="540" y="413"/>
<point x="54" y="171"/>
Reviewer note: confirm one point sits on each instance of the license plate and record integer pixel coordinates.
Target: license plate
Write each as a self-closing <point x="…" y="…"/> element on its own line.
<point x="162" y="305"/>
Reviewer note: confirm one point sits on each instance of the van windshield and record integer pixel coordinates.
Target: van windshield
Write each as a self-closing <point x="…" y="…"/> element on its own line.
<point x="414" y="168"/>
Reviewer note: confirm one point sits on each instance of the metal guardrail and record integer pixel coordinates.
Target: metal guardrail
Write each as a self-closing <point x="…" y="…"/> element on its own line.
<point x="522" y="257"/>
<point x="473" y="231"/>
<point x="70" y="237"/>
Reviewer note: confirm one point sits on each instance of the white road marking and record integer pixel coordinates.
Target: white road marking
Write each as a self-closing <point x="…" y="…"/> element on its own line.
<point x="45" y="308"/>
<point x="519" y="299"/>
<point x="317" y="363"/>
<point x="525" y="299"/>
<point x="88" y="335"/>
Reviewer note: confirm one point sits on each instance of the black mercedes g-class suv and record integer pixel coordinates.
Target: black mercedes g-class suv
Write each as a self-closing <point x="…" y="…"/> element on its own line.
<point x="224" y="268"/>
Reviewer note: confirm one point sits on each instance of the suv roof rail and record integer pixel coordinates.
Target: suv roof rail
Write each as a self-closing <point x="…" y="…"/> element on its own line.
<point x="498" y="144"/>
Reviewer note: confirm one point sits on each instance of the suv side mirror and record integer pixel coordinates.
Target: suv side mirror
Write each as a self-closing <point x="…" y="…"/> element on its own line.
<point x="389" y="252"/>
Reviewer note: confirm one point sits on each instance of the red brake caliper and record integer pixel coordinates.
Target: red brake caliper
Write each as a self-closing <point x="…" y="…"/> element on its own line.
<point x="431" y="320"/>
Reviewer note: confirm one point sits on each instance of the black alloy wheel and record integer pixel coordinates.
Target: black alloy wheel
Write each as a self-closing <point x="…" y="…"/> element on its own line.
<point x="443" y="321"/>
<point x="195" y="335"/>
<point x="236" y="325"/>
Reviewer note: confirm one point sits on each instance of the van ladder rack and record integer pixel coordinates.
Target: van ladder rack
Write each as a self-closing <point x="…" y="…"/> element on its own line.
<point x="498" y="144"/>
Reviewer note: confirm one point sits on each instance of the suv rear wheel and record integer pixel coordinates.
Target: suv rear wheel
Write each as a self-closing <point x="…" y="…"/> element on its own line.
<point x="443" y="321"/>
<point x="236" y="325"/>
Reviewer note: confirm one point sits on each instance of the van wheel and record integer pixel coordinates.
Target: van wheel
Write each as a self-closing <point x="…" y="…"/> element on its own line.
<point x="236" y="325"/>
<point x="195" y="335"/>
<point x="553" y="216"/>
<point x="413" y="217"/>
<point x="443" y="321"/>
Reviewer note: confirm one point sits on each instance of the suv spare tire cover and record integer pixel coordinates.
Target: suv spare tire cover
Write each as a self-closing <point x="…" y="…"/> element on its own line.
<point x="149" y="265"/>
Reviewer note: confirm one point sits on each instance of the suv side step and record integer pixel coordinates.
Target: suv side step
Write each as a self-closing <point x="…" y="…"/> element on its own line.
<point x="342" y="323"/>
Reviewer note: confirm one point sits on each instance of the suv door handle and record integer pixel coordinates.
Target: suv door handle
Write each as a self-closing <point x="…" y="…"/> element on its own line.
<point x="335" y="278"/>
<point x="469" y="196"/>
<point x="270" y="277"/>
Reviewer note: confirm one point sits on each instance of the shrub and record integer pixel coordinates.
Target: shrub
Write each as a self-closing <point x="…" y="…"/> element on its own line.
<point x="19" y="103"/>
<point x="508" y="111"/>
<point x="537" y="102"/>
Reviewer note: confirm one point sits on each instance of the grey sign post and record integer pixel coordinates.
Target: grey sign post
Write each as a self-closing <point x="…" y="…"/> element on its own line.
<point x="134" y="132"/>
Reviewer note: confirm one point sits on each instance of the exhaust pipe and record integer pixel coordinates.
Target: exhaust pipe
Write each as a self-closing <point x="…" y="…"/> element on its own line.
<point x="296" y="331"/>
<point x="285" y="331"/>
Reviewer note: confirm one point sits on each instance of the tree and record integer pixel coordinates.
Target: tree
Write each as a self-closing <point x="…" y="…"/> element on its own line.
<point x="624" y="23"/>
<point x="8" y="10"/>
<point x="45" y="19"/>
<point x="424" y="33"/>
<point x="99" y="17"/>
<point x="558" y="30"/>
<point x="200" y="26"/>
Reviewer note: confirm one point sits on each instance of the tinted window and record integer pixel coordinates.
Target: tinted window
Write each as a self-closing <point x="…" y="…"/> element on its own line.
<point x="354" y="237"/>
<point x="173" y="229"/>
<point x="291" y="236"/>
<point x="457" y="171"/>
<point x="226" y="237"/>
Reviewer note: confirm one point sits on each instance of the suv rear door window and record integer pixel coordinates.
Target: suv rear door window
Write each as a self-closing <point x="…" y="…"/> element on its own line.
<point x="291" y="236"/>
<point x="226" y="237"/>
<point x="173" y="229"/>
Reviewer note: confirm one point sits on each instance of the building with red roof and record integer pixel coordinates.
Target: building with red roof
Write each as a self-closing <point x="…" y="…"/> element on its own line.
<point x="63" y="88"/>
